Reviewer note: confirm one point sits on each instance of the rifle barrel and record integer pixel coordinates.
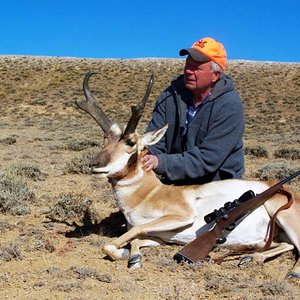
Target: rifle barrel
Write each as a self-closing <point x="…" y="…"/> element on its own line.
<point x="290" y="177"/>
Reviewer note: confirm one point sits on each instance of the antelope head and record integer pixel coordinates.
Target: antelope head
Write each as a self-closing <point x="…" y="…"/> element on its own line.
<point x="122" y="149"/>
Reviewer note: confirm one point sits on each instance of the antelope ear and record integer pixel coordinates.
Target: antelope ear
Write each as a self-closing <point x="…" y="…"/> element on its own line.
<point x="152" y="137"/>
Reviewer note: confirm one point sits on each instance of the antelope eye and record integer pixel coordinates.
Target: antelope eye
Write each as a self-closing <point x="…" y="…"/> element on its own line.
<point x="130" y="143"/>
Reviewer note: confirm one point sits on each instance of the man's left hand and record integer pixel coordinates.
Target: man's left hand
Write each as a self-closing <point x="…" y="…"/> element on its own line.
<point x="150" y="162"/>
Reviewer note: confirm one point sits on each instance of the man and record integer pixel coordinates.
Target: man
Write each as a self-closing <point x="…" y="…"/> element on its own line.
<point x="203" y="142"/>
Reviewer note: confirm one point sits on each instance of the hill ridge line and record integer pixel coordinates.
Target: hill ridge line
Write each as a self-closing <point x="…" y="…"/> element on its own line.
<point x="140" y="59"/>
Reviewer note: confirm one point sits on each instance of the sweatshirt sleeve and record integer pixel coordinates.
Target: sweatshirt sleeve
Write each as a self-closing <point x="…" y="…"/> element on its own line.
<point x="225" y="132"/>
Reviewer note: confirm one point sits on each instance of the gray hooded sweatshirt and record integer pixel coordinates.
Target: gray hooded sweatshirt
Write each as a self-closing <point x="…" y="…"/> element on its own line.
<point x="213" y="147"/>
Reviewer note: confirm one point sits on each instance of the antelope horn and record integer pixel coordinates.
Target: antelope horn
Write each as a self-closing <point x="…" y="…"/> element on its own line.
<point x="91" y="107"/>
<point x="137" y="110"/>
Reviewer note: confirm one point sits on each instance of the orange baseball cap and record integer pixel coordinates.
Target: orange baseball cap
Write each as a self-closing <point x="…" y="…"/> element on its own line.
<point x="207" y="49"/>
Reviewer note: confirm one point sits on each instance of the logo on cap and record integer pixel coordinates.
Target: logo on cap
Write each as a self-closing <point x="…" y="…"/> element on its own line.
<point x="200" y="43"/>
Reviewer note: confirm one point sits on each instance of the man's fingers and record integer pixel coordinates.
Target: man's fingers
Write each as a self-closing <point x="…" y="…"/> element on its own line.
<point x="146" y="158"/>
<point x="149" y="162"/>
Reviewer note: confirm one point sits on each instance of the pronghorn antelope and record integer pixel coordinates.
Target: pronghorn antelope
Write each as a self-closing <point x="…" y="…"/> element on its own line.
<point x="158" y="213"/>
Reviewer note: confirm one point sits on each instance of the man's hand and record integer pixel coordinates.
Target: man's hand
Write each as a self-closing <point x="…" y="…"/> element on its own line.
<point x="149" y="162"/>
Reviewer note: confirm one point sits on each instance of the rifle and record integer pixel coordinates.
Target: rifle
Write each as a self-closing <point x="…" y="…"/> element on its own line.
<point x="229" y="217"/>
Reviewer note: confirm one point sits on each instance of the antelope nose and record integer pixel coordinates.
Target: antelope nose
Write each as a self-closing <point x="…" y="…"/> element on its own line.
<point x="100" y="160"/>
<point x="93" y="163"/>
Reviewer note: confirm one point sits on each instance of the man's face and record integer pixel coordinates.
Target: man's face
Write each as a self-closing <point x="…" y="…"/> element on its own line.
<point x="198" y="75"/>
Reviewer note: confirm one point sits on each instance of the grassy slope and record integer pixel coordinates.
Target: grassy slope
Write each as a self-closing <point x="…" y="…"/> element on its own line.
<point x="40" y="126"/>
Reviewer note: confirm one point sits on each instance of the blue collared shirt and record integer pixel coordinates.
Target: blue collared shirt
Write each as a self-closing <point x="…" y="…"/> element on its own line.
<point x="191" y="111"/>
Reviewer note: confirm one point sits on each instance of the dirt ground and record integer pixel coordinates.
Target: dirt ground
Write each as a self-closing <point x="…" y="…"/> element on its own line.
<point x="54" y="217"/>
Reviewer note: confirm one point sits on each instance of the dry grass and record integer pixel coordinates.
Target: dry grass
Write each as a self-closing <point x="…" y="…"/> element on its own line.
<point x="52" y="251"/>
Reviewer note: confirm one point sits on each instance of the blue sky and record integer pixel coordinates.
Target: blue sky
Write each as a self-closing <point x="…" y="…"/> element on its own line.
<point x="252" y="30"/>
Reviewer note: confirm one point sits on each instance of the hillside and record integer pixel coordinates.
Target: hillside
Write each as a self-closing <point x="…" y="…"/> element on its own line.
<point x="54" y="217"/>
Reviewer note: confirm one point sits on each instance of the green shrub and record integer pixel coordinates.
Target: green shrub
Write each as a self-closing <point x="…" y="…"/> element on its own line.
<point x="15" y="195"/>
<point x="75" y="145"/>
<point x="28" y="171"/>
<point x="82" y="163"/>
<point x="9" y="140"/>
<point x="10" y="252"/>
<point x="275" y="170"/>
<point x="287" y="153"/>
<point x="258" y="151"/>
<point x="69" y="207"/>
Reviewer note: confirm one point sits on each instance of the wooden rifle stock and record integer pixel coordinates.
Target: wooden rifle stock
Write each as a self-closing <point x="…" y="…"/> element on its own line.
<point x="199" y="248"/>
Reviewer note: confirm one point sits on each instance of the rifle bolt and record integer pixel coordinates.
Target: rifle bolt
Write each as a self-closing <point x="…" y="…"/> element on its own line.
<point x="221" y="240"/>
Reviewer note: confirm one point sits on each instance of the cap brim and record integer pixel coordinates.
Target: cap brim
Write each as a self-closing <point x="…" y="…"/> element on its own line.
<point x="196" y="55"/>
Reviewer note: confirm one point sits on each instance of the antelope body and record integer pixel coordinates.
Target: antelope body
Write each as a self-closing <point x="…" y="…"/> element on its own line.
<point x="158" y="213"/>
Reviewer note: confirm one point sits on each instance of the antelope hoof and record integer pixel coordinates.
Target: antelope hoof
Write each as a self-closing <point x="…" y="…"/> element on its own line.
<point x="245" y="260"/>
<point x="135" y="261"/>
<point x="114" y="253"/>
<point x="292" y="275"/>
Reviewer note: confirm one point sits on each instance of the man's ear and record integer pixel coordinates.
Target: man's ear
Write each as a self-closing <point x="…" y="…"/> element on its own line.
<point x="152" y="137"/>
<point x="215" y="76"/>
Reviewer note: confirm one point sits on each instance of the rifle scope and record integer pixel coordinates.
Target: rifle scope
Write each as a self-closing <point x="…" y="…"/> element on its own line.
<point x="222" y="212"/>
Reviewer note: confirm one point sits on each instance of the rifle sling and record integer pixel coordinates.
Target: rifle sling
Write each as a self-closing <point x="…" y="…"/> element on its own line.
<point x="271" y="226"/>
